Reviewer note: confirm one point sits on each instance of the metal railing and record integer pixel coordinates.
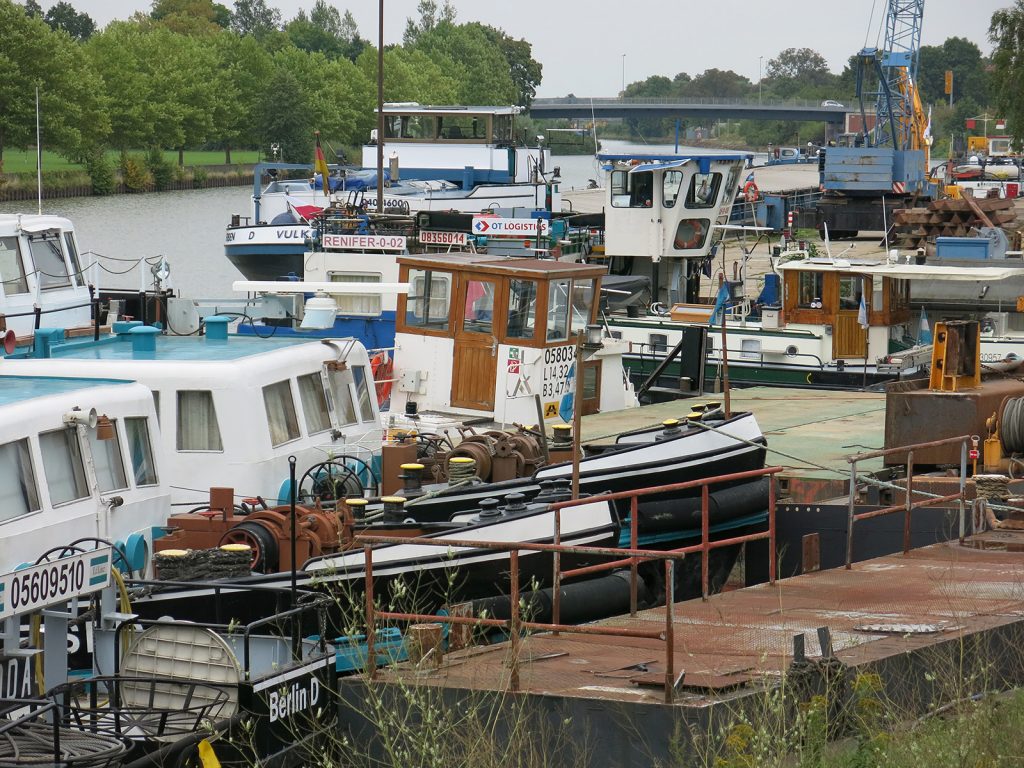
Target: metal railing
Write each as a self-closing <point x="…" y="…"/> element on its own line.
<point x="515" y="625"/>
<point x="685" y="100"/>
<point x="909" y="504"/>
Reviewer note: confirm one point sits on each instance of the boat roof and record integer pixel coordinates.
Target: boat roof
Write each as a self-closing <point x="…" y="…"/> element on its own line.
<point x="170" y="348"/>
<point x="651" y="161"/>
<point x="16" y="223"/>
<point x="902" y="271"/>
<point x="504" y="265"/>
<point x="18" y="389"/>
<point x="453" y="109"/>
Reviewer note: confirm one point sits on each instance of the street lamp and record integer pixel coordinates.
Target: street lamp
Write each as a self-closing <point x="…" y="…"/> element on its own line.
<point x="623" y="74"/>
<point x="759" y="60"/>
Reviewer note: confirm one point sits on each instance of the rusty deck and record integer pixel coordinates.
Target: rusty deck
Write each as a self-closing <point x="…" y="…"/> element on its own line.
<point x="882" y="608"/>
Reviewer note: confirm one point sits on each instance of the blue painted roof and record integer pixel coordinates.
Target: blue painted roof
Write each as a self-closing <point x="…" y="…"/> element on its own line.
<point x="16" y="389"/>
<point x="175" y="348"/>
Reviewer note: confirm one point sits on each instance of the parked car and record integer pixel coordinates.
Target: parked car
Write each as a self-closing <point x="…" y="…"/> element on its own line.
<point x="831" y="103"/>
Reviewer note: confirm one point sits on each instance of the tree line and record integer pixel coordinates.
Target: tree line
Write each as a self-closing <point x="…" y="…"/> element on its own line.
<point x="195" y="73"/>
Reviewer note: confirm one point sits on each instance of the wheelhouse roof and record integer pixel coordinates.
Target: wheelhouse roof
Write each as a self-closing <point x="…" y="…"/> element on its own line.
<point x="17" y="223"/>
<point x="903" y="271"/>
<point x="18" y="389"/>
<point x="546" y="269"/>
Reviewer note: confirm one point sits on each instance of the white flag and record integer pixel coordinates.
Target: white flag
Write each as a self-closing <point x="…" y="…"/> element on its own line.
<point x="862" y="313"/>
<point x="928" y="129"/>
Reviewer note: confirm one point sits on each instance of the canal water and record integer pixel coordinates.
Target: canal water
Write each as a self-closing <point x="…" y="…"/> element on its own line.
<point x="187" y="228"/>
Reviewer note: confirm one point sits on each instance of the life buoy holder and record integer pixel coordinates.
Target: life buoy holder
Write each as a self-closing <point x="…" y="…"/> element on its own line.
<point x="750" y="192"/>
<point x="383" y="369"/>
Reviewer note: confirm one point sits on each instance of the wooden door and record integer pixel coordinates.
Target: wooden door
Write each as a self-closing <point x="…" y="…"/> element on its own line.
<point x="477" y="315"/>
<point x="849" y="337"/>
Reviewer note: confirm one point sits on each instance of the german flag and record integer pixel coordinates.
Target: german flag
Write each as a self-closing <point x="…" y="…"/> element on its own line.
<point x="320" y="165"/>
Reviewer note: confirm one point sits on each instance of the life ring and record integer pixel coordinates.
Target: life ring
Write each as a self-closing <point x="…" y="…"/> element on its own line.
<point x="750" y="192"/>
<point x="383" y="367"/>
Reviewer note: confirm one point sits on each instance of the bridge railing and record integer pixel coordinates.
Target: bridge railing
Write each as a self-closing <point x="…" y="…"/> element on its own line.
<point x="686" y="100"/>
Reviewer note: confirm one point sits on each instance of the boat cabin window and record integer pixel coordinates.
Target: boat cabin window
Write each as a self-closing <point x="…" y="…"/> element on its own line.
<point x="48" y="259"/>
<point x="141" y="450"/>
<point x="632" y="190"/>
<point x="427" y="303"/>
<point x="62" y="459"/>
<point x="703" y="191"/>
<point x="558" y="310"/>
<point x="522" y="307"/>
<point x="899" y="295"/>
<point x="691" y="233"/>
<point x="108" y="461"/>
<point x="479" y="314"/>
<point x="12" y="269"/>
<point x="409" y="127"/>
<point x="811" y="287"/>
<point x="851" y="288"/>
<point x="671" y="183"/>
<point x="280" y="407"/>
<point x="19" y="494"/>
<point x="363" y="304"/>
<point x="461" y="127"/>
<point x="76" y="262"/>
<point x="197" y="422"/>
<point x="341" y="379"/>
<point x="362" y="392"/>
<point x="501" y="129"/>
<point x="314" y="403"/>
<point x="582" y="300"/>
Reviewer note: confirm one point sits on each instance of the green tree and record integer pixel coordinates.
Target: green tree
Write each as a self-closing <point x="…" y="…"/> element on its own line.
<point x="797" y="71"/>
<point x="284" y="118"/>
<point x="526" y="72"/>
<point x="467" y="51"/>
<point x="961" y="56"/>
<point x="243" y="65"/>
<point x="1007" y="34"/>
<point x="190" y="17"/>
<point x="63" y="16"/>
<point x="717" y="82"/>
<point x="430" y="17"/>
<point x="327" y="31"/>
<point x="33" y="9"/>
<point x="34" y="56"/>
<point x="255" y="17"/>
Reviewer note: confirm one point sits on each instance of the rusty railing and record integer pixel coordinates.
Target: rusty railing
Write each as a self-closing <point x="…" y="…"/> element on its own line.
<point x="516" y="625"/>
<point x="909" y="504"/>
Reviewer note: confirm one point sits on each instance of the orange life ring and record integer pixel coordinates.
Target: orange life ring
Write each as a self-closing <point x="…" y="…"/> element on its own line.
<point x="383" y="368"/>
<point x="750" y="192"/>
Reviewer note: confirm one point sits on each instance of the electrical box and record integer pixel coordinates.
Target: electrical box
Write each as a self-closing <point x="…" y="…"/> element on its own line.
<point x="771" y="318"/>
<point x="409" y="381"/>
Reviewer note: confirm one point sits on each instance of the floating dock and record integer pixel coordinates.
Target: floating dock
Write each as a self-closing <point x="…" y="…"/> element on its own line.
<point x="914" y="622"/>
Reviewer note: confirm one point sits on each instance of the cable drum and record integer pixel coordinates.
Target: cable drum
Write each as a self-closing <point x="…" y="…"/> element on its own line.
<point x="1011" y="425"/>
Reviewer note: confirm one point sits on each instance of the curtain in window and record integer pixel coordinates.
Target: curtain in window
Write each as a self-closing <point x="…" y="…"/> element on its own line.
<point x="280" y="407"/>
<point x="140" y="450"/>
<point x="109" y="463"/>
<point x="62" y="459"/>
<point x="197" y="422"/>
<point x="366" y="304"/>
<point x="18" y="492"/>
<point x="314" y="403"/>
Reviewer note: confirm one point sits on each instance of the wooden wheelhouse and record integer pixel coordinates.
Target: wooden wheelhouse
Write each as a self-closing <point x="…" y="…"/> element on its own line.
<point x="822" y="294"/>
<point x="485" y="335"/>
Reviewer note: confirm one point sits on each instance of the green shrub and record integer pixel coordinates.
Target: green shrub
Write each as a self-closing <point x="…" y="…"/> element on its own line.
<point x="159" y="169"/>
<point x="101" y="172"/>
<point x="134" y="174"/>
<point x="199" y="176"/>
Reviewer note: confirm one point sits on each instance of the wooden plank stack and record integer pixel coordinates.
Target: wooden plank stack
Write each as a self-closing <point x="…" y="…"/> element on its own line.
<point x="949" y="217"/>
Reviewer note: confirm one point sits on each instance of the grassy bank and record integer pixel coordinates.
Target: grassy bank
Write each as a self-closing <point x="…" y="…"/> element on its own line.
<point x="24" y="161"/>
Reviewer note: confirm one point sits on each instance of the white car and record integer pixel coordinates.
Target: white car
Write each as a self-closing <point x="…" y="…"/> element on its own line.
<point x="831" y="103"/>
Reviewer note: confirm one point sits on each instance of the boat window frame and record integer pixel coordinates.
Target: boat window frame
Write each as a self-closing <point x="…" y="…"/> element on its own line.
<point x="532" y="320"/>
<point x="71" y="247"/>
<point x="149" y="457"/>
<point x="22" y="278"/>
<point x="291" y="415"/>
<point x="667" y="200"/>
<point x="340" y="380"/>
<point x="700" y="229"/>
<point x="410" y="275"/>
<point x="367" y="377"/>
<point x="632" y="194"/>
<point x="711" y="197"/>
<point x="327" y="411"/>
<point x="43" y="277"/>
<point x="78" y="471"/>
<point x="29" y="480"/>
<point x="116" y="462"/>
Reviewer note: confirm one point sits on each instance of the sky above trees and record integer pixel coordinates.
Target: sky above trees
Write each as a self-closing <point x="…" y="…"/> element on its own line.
<point x="581" y="42"/>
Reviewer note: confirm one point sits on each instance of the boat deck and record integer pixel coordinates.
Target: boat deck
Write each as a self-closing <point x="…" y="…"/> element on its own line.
<point x="902" y="617"/>
<point x="810" y="432"/>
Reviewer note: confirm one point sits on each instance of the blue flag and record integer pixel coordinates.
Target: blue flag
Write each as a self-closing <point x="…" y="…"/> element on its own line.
<point x="565" y="407"/>
<point x="721" y="299"/>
